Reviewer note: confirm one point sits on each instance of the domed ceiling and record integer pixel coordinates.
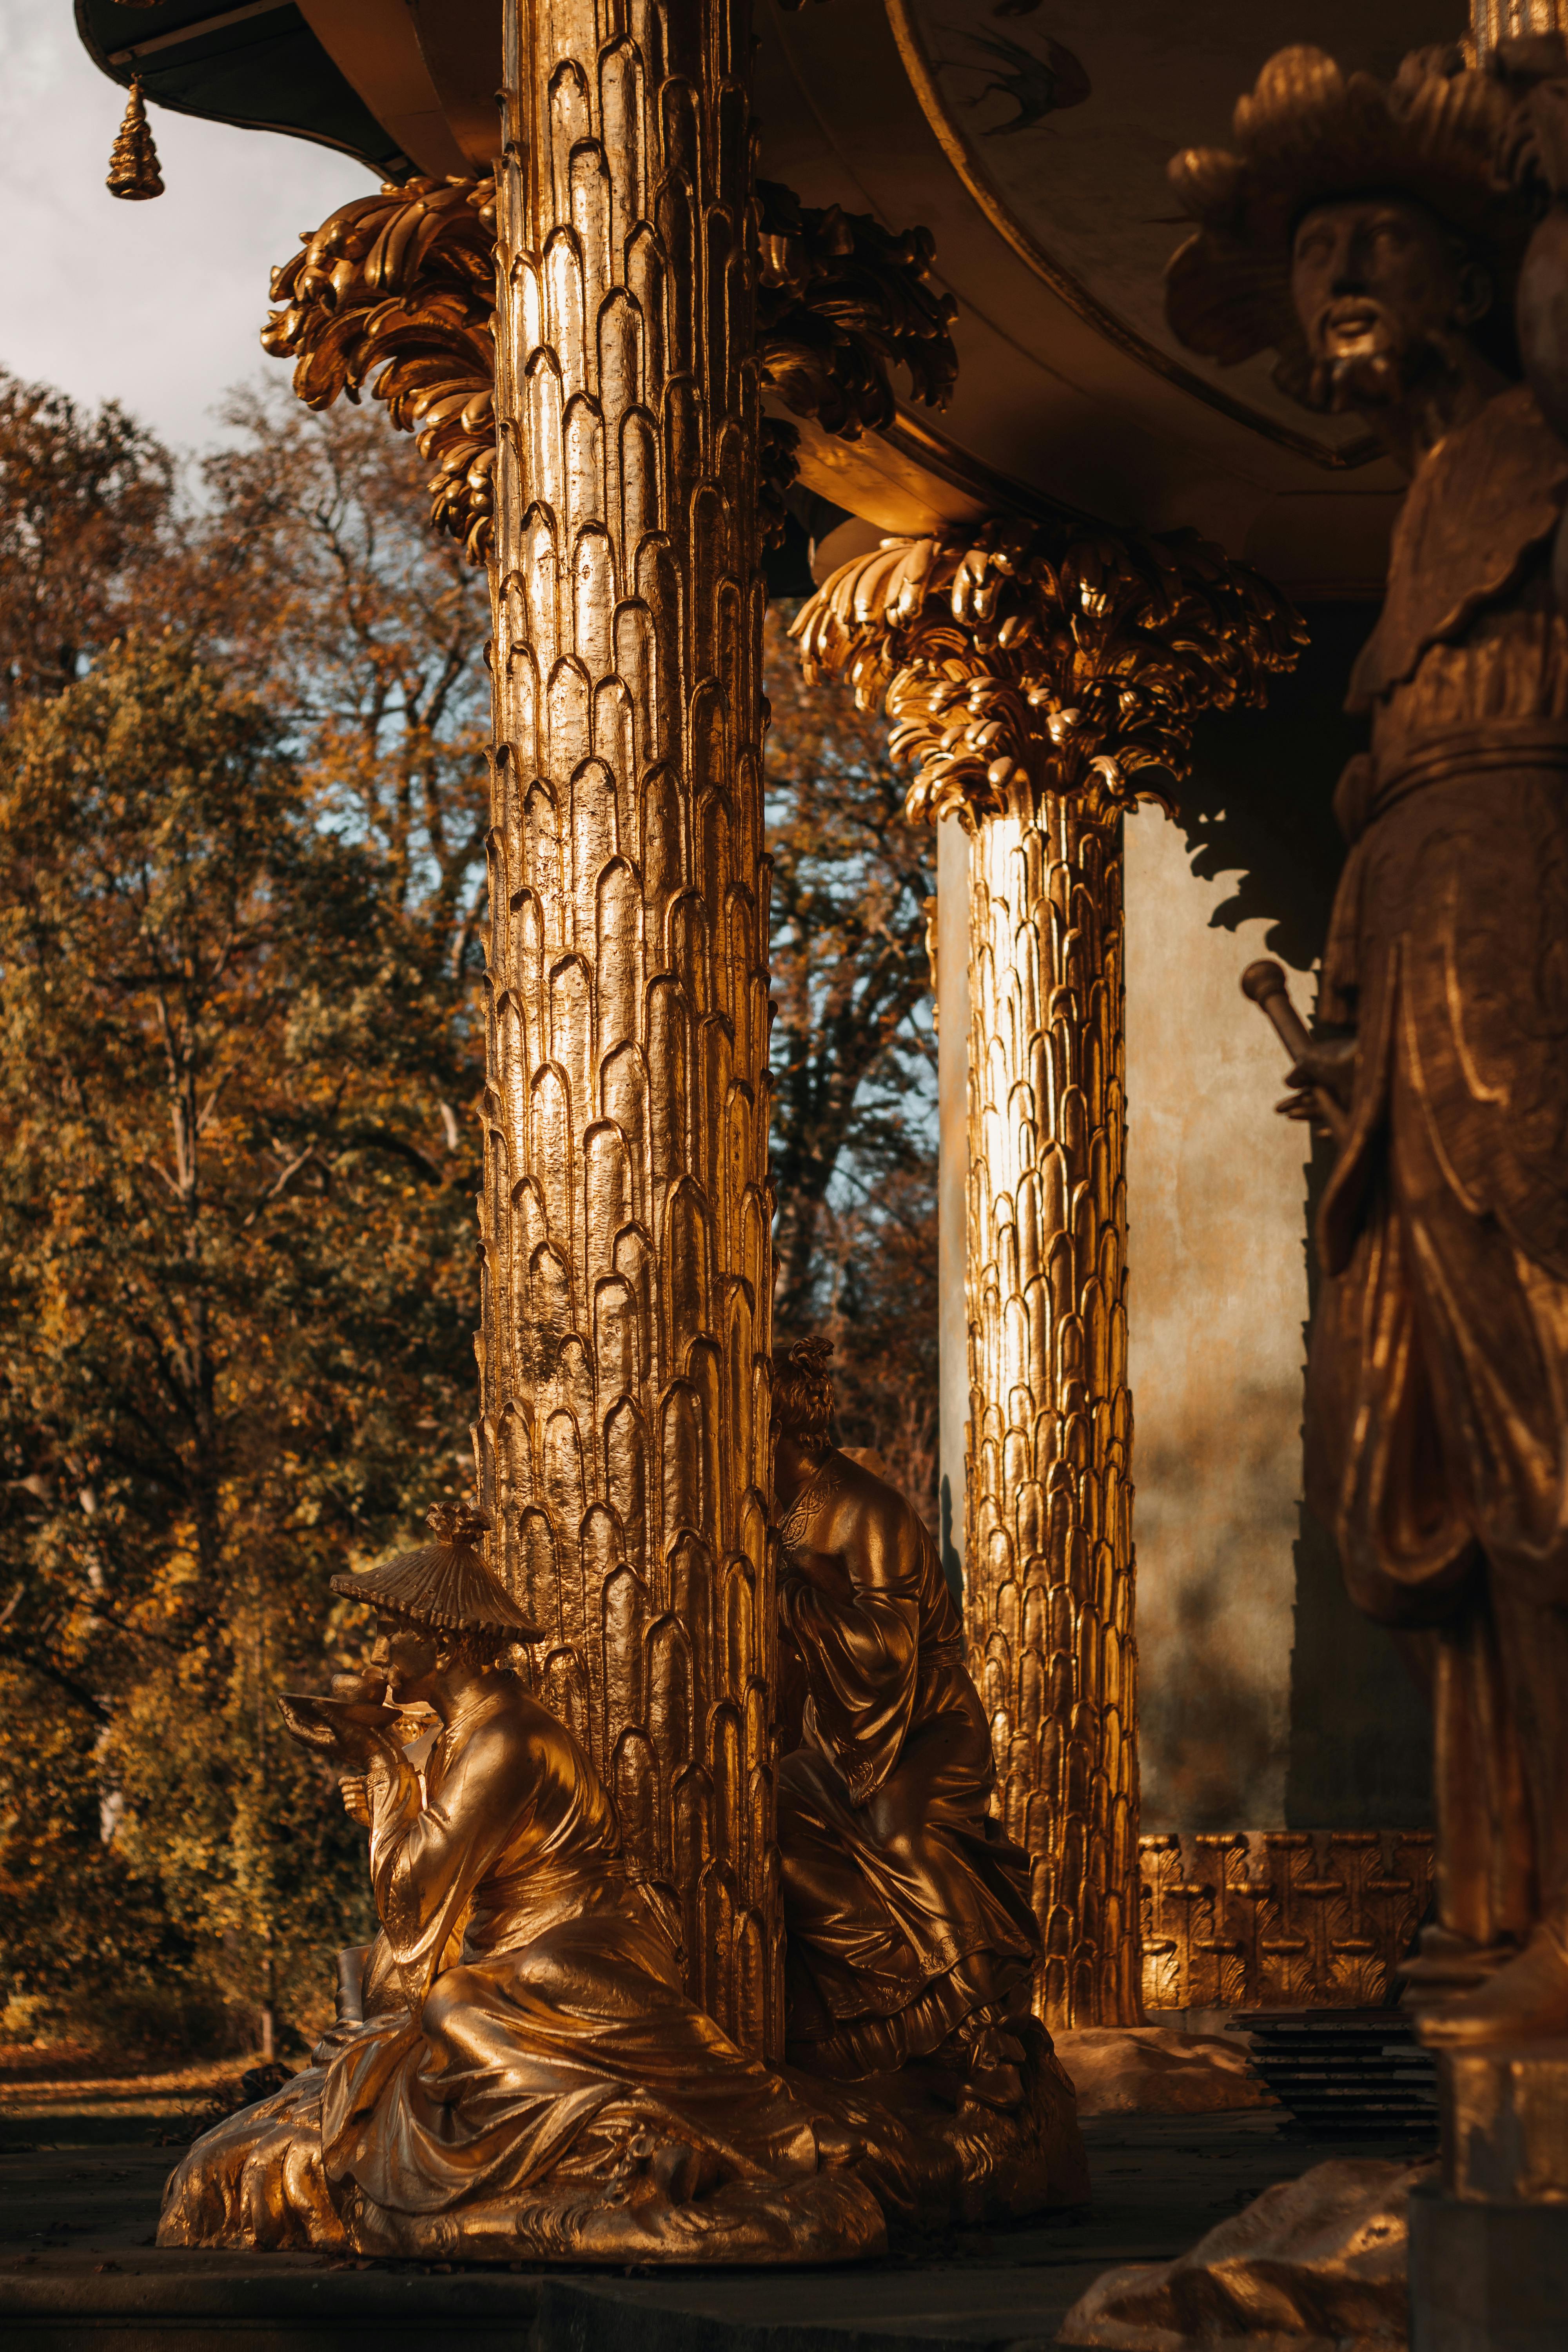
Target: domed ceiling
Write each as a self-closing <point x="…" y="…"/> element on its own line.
<point x="1059" y="117"/>
<point x="1031" y="136"/>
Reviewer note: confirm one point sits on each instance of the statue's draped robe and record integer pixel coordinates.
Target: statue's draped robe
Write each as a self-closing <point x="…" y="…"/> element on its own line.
<point x="907" y="1909"/>
<point x="529" y="2076"/>
<point x="1438" y="1418"/>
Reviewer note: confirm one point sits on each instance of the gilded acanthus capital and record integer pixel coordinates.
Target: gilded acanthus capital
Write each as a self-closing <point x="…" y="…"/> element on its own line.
<point x="1014" y="660"/>
<point x="400" y="287"/>
<point x="396" y="292"/>
<point x="840" y="301"/>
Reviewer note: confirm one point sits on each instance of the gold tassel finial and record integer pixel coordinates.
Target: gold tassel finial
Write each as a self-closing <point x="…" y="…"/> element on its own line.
<point x="133" y="161"/>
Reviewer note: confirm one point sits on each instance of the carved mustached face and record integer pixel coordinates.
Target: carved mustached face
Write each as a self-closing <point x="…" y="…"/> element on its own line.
<point x="1381" y="292"/>
<point x="409" y="1657"/>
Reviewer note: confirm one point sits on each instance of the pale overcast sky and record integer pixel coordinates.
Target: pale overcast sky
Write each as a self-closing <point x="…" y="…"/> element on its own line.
<point x="157" y="304"/>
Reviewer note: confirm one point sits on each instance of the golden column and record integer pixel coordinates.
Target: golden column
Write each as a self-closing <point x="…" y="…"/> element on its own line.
<point x="1043" y="687"/>
<point x="1048" y="1522"/>
<point x="626" y="1267"/>
<point x="579" y="344"/>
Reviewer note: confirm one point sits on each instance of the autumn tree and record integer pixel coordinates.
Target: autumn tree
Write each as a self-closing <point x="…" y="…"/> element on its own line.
<point x="364" y="632"/>
<point x="242" y="816"/>
<point x="85" y="511"/>
<point x="854" y="1062"/>
<point x="261" y="1020"/>
<point x="237" y="1264"/>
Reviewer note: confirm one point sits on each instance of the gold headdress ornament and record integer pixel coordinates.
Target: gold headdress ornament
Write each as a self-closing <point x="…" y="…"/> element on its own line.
<point x="1308" y="134"/>
<point x="443" y="1585"/>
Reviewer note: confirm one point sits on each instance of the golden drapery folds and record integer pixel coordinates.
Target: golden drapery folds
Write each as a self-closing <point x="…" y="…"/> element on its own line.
<point x="627" y="1263"/>
<point x="1041" y="686"/>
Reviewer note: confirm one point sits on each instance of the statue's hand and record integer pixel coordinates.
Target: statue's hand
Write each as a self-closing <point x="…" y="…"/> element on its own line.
<point x="1328" y="1066"/>
<point x="355" y="1787"/>
<point x="838" y="2145"/>
<point x="823" y="1572"/>
<point x="366" y="1689"/>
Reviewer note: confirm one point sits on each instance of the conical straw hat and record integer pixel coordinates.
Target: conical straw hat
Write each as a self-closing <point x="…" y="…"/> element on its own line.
<point x="445" y="1585"/>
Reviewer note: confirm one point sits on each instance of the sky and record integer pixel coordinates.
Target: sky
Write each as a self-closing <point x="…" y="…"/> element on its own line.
<point x="160" y="304"/>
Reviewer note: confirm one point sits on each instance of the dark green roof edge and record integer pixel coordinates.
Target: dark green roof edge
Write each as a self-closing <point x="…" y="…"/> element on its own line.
<point x="269" y="72"/>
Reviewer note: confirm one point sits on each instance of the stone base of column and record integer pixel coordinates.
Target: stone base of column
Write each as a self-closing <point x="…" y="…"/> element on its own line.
<point x="1487" y="2278"/>
<point x="1489" y="2245"/>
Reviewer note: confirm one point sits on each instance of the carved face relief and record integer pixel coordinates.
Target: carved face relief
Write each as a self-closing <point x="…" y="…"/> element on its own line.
<point x="1380" y="293"/>
<point x="408" y="1657"/>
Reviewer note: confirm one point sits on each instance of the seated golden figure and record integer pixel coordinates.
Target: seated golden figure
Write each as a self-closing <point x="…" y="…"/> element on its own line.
<point x="515" y="2070"/>
<point x="911" y="1937"/>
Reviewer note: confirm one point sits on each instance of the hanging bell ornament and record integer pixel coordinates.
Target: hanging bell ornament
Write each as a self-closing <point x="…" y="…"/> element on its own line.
<point x="133" y="161"/>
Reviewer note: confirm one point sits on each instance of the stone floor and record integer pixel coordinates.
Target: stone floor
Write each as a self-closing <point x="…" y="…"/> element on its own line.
<point x="79" y="2200"/>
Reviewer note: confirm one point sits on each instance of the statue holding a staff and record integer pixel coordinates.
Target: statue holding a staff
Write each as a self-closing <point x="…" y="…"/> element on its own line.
<point x="1373" y="236"/>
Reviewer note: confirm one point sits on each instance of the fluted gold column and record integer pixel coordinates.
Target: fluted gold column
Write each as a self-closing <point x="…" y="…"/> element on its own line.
<point x="579" y="345"/>
<point x="1042" y="689"/>
<point x="625" y="1220"/>
<point x="1048" y="1525"/>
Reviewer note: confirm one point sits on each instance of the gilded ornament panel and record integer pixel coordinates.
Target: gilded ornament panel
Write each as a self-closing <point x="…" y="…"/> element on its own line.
<point x="1281" y="1918"/>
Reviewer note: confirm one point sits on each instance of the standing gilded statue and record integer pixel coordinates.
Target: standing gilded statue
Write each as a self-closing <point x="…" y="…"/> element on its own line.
<point x="1370" y="237"/>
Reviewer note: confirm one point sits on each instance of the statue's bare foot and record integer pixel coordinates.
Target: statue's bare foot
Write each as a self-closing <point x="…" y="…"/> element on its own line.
<point x="995" y="2075"/>
<point x="838" y="2147"/>
<point x="1001" y="2088"/>
<point x="1527" y="1997"/>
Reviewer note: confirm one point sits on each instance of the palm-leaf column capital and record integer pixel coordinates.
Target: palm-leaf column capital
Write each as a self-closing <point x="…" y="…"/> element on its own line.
<point x="1041" y="683"/>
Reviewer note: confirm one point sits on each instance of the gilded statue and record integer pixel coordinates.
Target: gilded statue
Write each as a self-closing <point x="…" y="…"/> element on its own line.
<point x="912" y="1946"/>
<point x="515" y="2070"/>
<point x="1369" y="235"/>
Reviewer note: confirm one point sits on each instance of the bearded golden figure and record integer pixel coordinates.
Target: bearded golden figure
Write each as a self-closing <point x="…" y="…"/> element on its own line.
<point x="1365" y="235"/>
<point x="912" y="1939"/>
<point x="515" y="2070"/>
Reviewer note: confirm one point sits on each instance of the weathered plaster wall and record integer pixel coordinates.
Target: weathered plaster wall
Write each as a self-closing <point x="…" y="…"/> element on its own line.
<point x="1266" y="1701"/>
<point x="1216" y="1186"/>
